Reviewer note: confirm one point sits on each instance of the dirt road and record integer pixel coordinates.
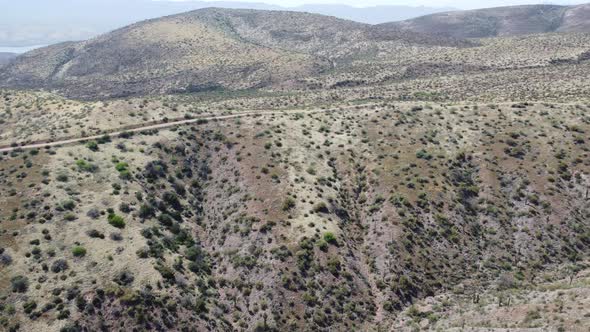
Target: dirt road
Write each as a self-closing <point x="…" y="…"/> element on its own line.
<point x="135" y="129"/>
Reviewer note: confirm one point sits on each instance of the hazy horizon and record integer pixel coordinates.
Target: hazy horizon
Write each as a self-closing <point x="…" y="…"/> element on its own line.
<point x="460" y="4"/>
<point x="29" y="23"/>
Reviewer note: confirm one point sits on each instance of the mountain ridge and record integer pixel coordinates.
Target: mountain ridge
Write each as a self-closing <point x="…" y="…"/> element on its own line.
<point x="502" y="21"/>
<point x="184" y="53"/>
<point x="64" y="20"/>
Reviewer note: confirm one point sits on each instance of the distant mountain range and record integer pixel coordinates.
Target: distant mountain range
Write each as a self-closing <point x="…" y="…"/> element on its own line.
<point x="66" y="20"/>
<point x="237" y="49"/>
<point x="501" y="21"/>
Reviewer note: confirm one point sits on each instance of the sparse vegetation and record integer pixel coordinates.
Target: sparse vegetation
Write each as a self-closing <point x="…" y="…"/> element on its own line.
<point x="410" y="184"/>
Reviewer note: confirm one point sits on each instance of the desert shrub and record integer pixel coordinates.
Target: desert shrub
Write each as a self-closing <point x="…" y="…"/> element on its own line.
<point x="124" y="278"/>
<point x="67" y="205"/>
<point x="466" y="192"/>
<point x="143" y="253"/>
<point x="92" y="146"/>
<point x="59" y="265"/>
<point x="125" y="208"/>
<point x="179" y="188"/>
<point x="116" y="236"/>
<point x="423" y="154"/>
<point x="172" y="200"/>
<point x="86" y="166"/>
<point x="78" y="251"/>
<point x="199" y="260"/>
<point x="506" y="281"/>
<point x="29" y="306"/>
<point x="330" y="238"/>
<point x="64" y="314"/>
<point x="165" y="271"/>
<point x="323" y="245"/>
<point x="288" y="204"/>
<point x="333" y="265"/>
<point x="93" y="233"/>
<point x="321" y="207"/>
<point x="123" y="169"/>
<point x="516" y="152"/>
<point x="155" y="170"/>
<point x="5" y="259"/>
<point x="246" y="261"/>
<point x="146" y="211"/>
<point x="104" y="139"/>
<point x="62" y="177"/>
<point x="165" y="219"/>
<point x="116" y="221"/>
<point x="304" y="259"/>
<point x="71" y="327"/>
<point x="125" y="175"/>
<point x="281" y="253"/>
<point x="93" y="213"/>
<point x="20" y="284"/>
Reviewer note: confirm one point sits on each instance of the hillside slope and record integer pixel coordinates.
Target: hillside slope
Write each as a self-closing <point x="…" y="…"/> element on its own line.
<point x="502" y="21"/>
<point x="205" y="50"/>
<point x="173" y="54"/>
<point x="322" y="221"/>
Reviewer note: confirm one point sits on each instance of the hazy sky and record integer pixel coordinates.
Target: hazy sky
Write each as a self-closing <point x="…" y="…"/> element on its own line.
<point x="466" y="4"/>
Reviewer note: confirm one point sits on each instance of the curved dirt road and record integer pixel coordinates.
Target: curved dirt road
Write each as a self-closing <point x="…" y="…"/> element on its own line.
<point x="39" y="145"/>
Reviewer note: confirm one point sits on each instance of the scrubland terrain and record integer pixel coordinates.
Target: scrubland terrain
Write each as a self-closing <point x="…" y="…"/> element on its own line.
<point x="391" y="183"/>
<point x="332" y="219"/>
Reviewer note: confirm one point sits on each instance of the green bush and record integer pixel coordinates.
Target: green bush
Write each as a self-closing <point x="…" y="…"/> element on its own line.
<point x="86" y="166"/>
<point x="92" y="145"/>
<point x="116" y="221"/>
<point x="79" y="251"/>
<point x="123" y="169"/>
<point x="330" y="238"/>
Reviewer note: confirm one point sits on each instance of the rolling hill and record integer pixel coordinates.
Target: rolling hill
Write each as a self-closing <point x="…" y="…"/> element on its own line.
<point x="208" y="49"/>
<point x="502" y="21"/>
<point x="181" y="53"/>
<point x="65" y="20"/>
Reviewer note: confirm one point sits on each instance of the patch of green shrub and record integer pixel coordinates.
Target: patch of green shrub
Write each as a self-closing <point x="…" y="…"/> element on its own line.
<point x="330" y="238"/>
<point x="79" y="251"/>
<point x="116" y="221"/>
